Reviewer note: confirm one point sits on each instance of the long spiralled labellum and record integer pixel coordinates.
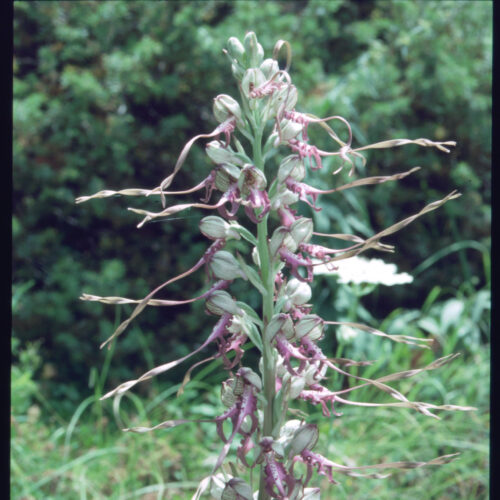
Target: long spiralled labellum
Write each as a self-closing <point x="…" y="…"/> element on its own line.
<point x="168" y="424"/>
<point x="141" y="192"/>
<point x="419" y="406"/>
<point x="379" y="179"/>
<point x="187" y="376"/>
<point x="277" y="47"/>
<point x="438" y="363"/>
<point x="326" y="467"/>
<point x="373" y="242"/>
<point x="217" y="332"/>
<point x="175" y="209"/>
<point x="402" y="142"/>
<point x="152" y="302"/>
<point x="142" y="305"/>
<point x="318" y="356"/>
<point x="222" y="128"/>
<point x="405" y="339"/>
<point x="306" y="119"/>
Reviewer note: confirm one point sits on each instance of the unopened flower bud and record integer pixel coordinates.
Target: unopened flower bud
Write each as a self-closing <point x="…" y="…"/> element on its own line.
<point x="214" y="227"/>
<point x="250" y="377"/>
<point x="290" y="96"/>
<point x="281" y="370"/>
<point x="237" y="489"/>
<point x="253" y="49"/>
<point x="302" y="230"/>
<point x="289" y="130"/>
<point x="251" y="177"/>
<point x="298" y="292"/>
<point x="284" y="198"/>
<point x="292" y="166"/>
<point x="304" y="439"/>
<point x="235" y="48"/>
<point x="277" y="447"/>
<point x="226" y="107"/>
<point x="310" y="325"/>
<point x="297" y="385"/>
<point x="252" y="79"/>
<point x="226" y="393"/>
<point x="246" y="425"/>
<point x="283" y="99"/>
<point x="226" y="175"/>
<point x="281" y="237"/>
<point x="220" y="154"/>
<point x="288" y="430"/>
<point x="280" y="323"/>
<point x="269" y="67"/>
<point x="255" y="256"/>
<point x="297" y="492"/>
<point x="220" y="302"/>
<point x="238" y="71"/>
<point x="312" y="494"/>
<point x="314" y="372"/>
<point x="217" y="485"/>
<point x="225" y="267"/>
<point x="238" y="386"/>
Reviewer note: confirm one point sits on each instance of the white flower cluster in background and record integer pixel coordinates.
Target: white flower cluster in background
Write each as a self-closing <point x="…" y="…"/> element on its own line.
<point x="359" y="270"/>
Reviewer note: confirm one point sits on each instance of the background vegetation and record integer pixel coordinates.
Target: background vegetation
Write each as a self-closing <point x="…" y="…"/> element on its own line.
<point x="105" y="96"/>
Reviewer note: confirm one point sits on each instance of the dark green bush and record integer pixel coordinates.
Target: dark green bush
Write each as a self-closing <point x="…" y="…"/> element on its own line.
<point x="106" y="94"/>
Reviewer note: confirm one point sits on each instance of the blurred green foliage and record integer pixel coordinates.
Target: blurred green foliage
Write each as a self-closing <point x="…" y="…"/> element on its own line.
<point x="106" y="94"/>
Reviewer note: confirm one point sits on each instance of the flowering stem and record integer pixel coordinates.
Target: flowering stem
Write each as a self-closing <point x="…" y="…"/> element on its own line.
<point x="289" y="332"/>
<point x="269" y="374"/>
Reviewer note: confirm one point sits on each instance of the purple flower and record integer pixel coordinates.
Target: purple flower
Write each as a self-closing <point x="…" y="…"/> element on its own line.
<point x="294" y="261"/>
<point x="304" y="190"/>
<point x="287" y="216"/>
<point x="311" y="459"/>
<point x="317" y="394"/>
<point x="278" y="482"/>
<point x="257" y="199"/>
<point x="232" y="196"/>
<point x="308" y="151"/>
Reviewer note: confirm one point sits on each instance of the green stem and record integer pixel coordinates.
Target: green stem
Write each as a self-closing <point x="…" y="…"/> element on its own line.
<point x="269" y="372"/>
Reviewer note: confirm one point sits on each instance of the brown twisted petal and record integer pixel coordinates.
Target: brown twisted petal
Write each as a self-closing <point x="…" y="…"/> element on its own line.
<point x="141" y="192"/>
<point x="174" y="209"/>
<point x="277" y="47"/>
<point x="217" y="331"/>
<point x="373" y="241"/>
<point x="405" y="339"/>
<point x="182" y="157"/>
<point x="402" y="142"/>
<point x="145" y="301"/>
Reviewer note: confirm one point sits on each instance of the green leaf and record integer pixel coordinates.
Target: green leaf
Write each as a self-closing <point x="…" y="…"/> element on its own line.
<point x="253" y="334"/>
<point x="253" y="316"/>
<point x="279" y="305"/>
<point x="252" y="275"/>
<point x="246" y="234"/>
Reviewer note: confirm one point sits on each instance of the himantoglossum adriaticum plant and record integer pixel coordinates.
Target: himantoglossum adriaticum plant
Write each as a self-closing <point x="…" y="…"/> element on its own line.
<point x="284" y="255"/>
